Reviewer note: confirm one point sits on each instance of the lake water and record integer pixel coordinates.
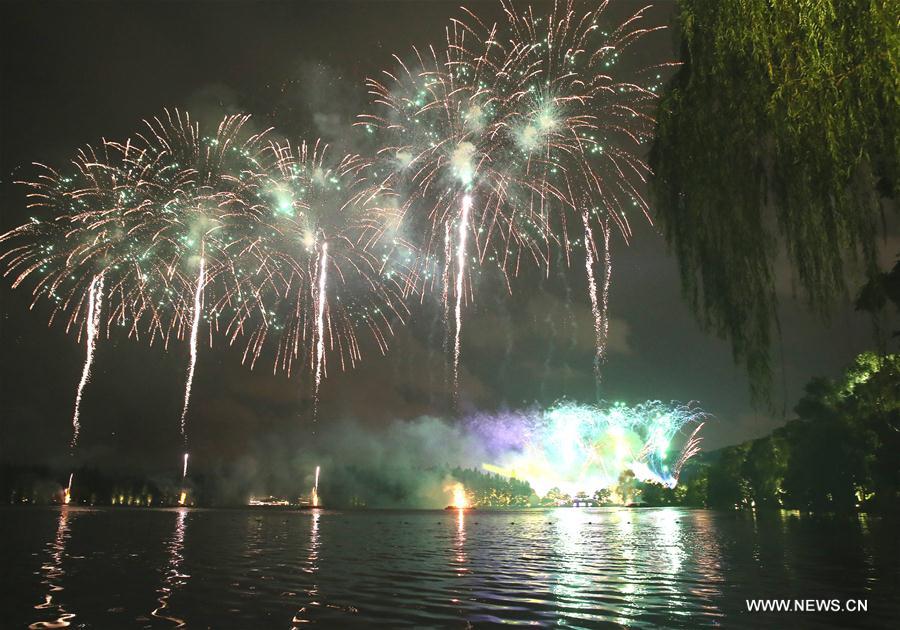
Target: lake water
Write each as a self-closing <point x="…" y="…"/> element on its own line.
<point x="122" y="568"/>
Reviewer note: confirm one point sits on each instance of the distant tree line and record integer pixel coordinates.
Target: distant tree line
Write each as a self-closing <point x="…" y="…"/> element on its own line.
<point x="491" y="490"/>
<point x="41" y="485"/>
<point x="344" y="486"/>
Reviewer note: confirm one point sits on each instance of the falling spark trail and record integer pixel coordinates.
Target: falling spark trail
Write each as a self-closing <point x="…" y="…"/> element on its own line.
<point x="320" y="325"/>
<point x="184" y="472"/>
<point x="607" y="276"/>
<point x="195" y="325"/>
<point x="460" y="272"/>
<point x="445" y="295"/>
<point x="598" y="314"/>
<point x="95" y="298"/>
<point x="445" y="283"/>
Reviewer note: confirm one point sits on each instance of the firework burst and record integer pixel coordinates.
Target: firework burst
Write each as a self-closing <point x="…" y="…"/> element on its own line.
<point x="440" y="125"/>
<point x="326" y="254"/>
<point x="581" y="127"/>
<point x="515" y="142"/>
<point x="515" y="134"/>
<point x="178" y="234"/>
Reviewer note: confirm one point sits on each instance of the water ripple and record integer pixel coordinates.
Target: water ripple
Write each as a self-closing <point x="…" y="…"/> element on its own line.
<point x="578" y="568"/>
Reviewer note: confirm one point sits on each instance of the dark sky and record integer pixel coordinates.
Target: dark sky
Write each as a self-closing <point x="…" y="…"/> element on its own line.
<point x="75" y="72"/>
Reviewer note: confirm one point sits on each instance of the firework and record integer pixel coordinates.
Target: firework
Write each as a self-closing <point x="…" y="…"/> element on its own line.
<point x="123" y="227"/>
<point x="581" y="127"/>
<point x="588" y="447"/>
<point x="439" y="122"/>
<point x="200" y="182"/>
<point x="325" y="256"/>
<point x="513" y="133"/>
<point x="179" y="234"/>
<point x="491" y="148"/>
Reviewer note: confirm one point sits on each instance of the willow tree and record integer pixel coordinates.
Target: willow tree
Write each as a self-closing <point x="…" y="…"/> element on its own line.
<point x="778" y="136"/>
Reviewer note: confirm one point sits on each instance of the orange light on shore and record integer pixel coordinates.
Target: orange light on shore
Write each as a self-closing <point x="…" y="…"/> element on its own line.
<point x="183" y="498"/>
<point x="68" y="496"/>
<point x="314" y="498"/>
<point x="460" y="501"/>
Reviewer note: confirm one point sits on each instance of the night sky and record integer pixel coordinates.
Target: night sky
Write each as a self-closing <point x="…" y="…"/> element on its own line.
<point x="75" y="72"/>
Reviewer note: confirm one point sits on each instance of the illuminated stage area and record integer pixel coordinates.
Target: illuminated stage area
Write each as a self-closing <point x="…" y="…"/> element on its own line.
<point x="584" y="448"/>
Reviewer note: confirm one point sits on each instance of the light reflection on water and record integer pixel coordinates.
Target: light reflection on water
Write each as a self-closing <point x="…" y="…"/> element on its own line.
<point x="575" y="567"/>
<point x="311" y="568"/>
<point x="54" y="574"/>
<point x="173" y="578"/>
